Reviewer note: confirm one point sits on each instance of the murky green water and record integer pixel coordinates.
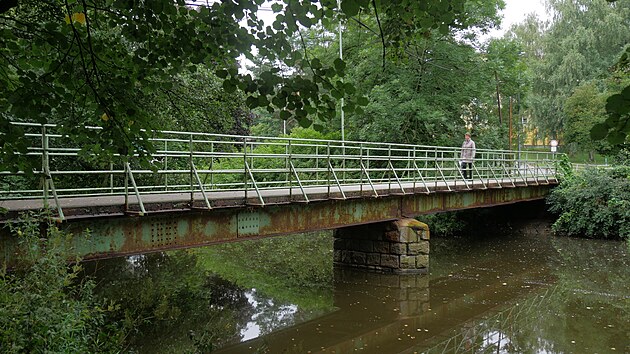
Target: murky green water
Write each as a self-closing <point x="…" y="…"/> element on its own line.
<point x="526" y="292"/>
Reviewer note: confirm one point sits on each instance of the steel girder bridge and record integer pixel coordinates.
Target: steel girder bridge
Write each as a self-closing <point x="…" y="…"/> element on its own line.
<point x="202" y="188"/>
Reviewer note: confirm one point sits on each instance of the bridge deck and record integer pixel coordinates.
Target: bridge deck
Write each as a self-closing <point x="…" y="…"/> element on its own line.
<point x="91" y="206"/>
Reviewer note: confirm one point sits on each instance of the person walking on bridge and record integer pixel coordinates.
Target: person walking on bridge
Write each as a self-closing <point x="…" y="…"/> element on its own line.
<point x="467" y="156"/>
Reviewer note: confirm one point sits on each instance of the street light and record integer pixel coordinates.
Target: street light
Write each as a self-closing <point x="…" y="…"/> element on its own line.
<point x="343" y="135"/>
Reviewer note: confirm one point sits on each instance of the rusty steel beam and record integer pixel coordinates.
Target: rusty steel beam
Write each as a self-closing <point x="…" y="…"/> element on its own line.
<point x="126" y="235"/>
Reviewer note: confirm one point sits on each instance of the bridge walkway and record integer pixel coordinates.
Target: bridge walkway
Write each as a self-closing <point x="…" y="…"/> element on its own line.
<point x="114" y="205"/>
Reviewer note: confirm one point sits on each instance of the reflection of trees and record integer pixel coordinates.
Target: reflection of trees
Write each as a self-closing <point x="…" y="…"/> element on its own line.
<point x="588" y="310"/>
<point x="292" y="269"/>
<point x="594" y="308"/>
<point x="166" y="297"/>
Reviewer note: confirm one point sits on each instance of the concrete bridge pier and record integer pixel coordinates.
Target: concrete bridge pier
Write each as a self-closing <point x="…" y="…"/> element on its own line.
<point x="400" y="246"/>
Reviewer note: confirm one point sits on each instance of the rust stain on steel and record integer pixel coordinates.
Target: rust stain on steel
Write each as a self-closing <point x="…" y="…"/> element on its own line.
<point x="417" y="204"/>
<point x="131" y="235"/>
<point x="116" y="236"/>
<point x="329" y="215"/>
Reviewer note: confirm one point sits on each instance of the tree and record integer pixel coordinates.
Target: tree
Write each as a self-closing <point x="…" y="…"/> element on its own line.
<point x="584" y="108"/>
<point x="98" y="62"/>
<point x="581" y="42"/>
<point x="616" y="127"/>
<point x="423" y="90"/>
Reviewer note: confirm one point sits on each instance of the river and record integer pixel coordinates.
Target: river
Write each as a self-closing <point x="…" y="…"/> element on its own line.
<point x="522" y="291"/>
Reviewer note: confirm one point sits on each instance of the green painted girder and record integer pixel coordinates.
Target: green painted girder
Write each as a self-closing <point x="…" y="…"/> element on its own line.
<point x="125" y="235"/>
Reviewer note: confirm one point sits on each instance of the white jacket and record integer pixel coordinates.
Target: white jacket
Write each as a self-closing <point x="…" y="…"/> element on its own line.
<point x="468" y="151"/>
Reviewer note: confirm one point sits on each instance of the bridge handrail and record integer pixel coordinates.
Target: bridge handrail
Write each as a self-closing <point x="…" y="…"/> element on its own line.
<point x="196" y="162"/>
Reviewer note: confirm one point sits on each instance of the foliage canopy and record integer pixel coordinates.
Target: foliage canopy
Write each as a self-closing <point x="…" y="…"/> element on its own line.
<point x="101" y="62"/>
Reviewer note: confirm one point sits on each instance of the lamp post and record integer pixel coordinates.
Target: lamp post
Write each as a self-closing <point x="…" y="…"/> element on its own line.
<point x="343" y="136"/>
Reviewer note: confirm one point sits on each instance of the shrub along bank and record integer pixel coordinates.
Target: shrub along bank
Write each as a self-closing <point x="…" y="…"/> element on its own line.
<point x="593" y="203"/>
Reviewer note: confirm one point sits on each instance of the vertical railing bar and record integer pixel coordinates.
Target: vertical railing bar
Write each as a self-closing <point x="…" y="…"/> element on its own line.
<point x="192" y="191"/>
<point x="329" y="168"/>
<point x="166" y="165"/>
<point x="289" y="163"/>
<point x="44" y="164"/>
<point x="361" y="163"/>
<point x="212" y="165"/>
<point x="126" y="178"/>
<point x="435" y="156"/>
<point x="245" y="168"/>
<point x="415" y="179"/>
<point x="317" y="181"/>
<point x="111" y="177"/>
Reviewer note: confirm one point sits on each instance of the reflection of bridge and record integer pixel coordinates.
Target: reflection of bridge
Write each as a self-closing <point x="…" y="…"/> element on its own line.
<point x="406" y="314"/>
<point x="207" y="188"/>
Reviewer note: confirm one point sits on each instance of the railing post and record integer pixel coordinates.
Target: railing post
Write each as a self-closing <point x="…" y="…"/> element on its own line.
<point x="126" y="187"/>
<point x="361" y="163"/>
<point x="414" y="175"/>
<point x="316" y="163"/>
<point x="166" y="165"/>
<point x="211" y="165"/>
<point x="245" y="171"/>
<point x="111" y="177"/>
<point x="288" y="170"/>
<point x="329" y="167"/>
<point x="45" y="166"/>
<point x="389" y="175"/>
<point x="435" y="153"/>
<point x="192" y="191"/>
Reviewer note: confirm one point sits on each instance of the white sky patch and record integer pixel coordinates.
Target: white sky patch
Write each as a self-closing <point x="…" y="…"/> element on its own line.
<point x="516" y="11"/>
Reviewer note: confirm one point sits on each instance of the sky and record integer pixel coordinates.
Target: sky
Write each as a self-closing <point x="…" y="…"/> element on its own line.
<point x="516" y="11"/>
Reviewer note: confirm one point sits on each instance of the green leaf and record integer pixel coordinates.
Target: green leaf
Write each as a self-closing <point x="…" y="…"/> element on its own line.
<point x="599" y="131"/>
<point x="316" y="63"/>
<point x="304" y="122"/>
<point x="616" y="137"/>
<point x="340" y="65"/>
<point x="350" y="7"/>
<point x="285" y="115"/>
<point x="229" y="86"/>
<point x="363" y="101"/>
<point x="222" y="74"/>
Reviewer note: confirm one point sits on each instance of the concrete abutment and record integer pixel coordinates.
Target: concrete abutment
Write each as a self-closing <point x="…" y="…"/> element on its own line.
<point x="400" y="246"/>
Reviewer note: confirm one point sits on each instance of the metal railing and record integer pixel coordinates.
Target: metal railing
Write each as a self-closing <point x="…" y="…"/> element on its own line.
<point x="203" y="163"/>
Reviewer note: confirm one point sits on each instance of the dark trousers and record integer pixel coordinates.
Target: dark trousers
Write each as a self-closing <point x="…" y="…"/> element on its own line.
<point x="467" y="169"/>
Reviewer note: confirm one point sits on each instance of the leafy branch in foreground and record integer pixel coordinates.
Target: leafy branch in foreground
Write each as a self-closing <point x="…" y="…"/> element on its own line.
<point x="99" y="62"/>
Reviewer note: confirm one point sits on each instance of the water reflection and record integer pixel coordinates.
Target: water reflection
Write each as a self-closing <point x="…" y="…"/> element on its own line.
<point x="526" y="292"/>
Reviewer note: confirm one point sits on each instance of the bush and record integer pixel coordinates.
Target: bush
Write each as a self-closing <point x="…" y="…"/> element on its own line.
<point x="43" y="308"/>
<point x="594" y="203"/>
